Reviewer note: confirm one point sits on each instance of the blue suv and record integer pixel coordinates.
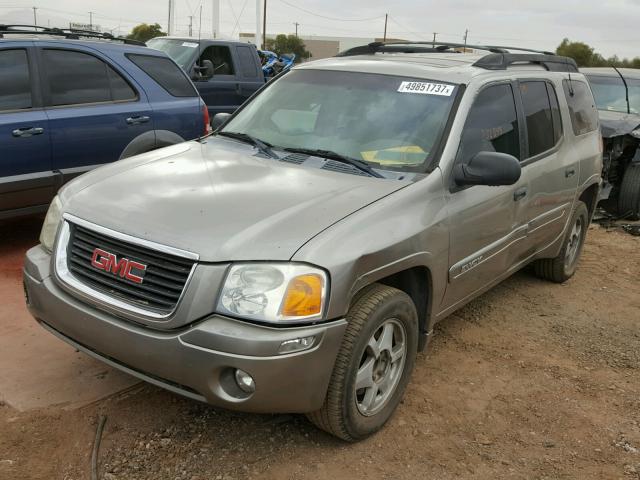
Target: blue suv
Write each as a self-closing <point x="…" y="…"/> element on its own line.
<point x="70" y="105"/>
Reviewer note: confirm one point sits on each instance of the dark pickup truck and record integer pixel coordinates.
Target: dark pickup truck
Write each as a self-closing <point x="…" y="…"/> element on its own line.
<point x="226" y="73"/>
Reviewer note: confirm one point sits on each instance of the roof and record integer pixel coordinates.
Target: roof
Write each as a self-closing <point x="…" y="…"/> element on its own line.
<point x="101" y="45"/>
<point x="450" y="67"/>
<point x="203" y="39"/>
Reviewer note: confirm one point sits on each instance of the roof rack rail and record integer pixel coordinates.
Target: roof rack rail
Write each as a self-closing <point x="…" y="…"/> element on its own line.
<point x="68" y="33"/>
<point x="499" y="58"/>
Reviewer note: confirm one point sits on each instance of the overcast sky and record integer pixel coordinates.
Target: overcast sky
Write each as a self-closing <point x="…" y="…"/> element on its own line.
<point x="611" y="26"/>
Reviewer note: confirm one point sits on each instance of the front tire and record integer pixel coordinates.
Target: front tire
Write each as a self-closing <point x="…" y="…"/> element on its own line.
<point x="562" y="268"/>
<point x="373" y="366"/>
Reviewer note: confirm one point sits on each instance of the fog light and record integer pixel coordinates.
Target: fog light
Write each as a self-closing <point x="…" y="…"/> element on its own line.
<point x="297" y="344"/>
<point x="245" y="381"/>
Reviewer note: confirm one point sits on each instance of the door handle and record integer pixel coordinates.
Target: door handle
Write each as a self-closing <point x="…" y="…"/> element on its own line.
<point x="520" y="193"/>
<point x="137" y="120"/>
<point x="569" y="172"/>
<point x="27" y="131"/>
<point x="238" y="89"/>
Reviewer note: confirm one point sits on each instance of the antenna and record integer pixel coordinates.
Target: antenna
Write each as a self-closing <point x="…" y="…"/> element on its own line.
<point x="626" y="87"/>
<point x="571" y="90"/>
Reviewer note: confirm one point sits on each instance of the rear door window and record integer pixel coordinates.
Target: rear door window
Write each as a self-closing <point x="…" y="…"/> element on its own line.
<point x="582" y="106"/>
<point x="166" y="73"/>
<point x="247" y="62"/>
<point x="539" y="120"/>
<point x="15" y="85"/>
<point x="492" y="124"/>
<point x="75" y="78"/>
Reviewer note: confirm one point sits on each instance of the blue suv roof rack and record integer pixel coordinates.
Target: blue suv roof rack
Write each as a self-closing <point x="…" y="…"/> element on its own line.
<point x="499" y="58"/>
<point x="68" y="33"/>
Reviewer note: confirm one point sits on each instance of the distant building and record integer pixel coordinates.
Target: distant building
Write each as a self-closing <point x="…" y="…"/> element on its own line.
<point x="321" y="46"/>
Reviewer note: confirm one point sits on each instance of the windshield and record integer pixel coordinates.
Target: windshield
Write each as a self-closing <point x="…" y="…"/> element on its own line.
<point x="611" y="94"/>
<point x="181" y="51"/>
<point x="389" y="122"/>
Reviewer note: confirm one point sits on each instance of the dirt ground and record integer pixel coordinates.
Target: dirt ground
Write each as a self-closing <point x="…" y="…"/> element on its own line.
<point x="531" y="381"/>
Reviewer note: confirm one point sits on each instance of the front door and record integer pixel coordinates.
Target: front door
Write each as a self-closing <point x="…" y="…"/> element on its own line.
<point x="222" y="92"/>
<point x="484" y="228"/>
<point x="26" y="177"/>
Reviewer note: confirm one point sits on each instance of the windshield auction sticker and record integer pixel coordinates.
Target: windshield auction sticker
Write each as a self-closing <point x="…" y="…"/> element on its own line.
<point x="189" y="44"/>
<point x="426" y="88"/>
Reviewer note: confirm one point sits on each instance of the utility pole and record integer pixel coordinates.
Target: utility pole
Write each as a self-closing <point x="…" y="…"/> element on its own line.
<point x="296" y="24"/>
<point x="264" y="25"/>
<point x="258" y="23"/>
<point x="386" y="17"/>
<point x="434" y="39"/>
<point x="172" y="17"/>
<point x="35" y="21"/>
<point x="90" y="20"/>
<point x="215" y="18"/>
<point x="466" y="33"/>
<point x="191" y="25"/>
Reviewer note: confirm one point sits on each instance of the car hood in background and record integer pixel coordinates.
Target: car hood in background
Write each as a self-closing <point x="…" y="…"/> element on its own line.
<point x="615" y="124"/>
<point x="219" y="200"/>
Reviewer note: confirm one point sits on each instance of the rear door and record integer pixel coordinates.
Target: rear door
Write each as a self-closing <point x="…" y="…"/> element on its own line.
<point x="94" y="109"/>
<point x="222" y="93"/>
<point x="251" y="76"/>
<point x="550" y="169"/>
<point x="177" y="108"/>
<point x="26" y="177"/>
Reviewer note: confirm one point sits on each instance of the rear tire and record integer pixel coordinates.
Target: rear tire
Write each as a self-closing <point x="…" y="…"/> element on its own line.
<point x="373" y="365"/>
<point x="629" y="196"/>
<point x="561" y="268"/>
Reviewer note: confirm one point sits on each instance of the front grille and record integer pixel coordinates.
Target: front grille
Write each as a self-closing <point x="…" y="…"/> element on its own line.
<point x="162" y="282"/>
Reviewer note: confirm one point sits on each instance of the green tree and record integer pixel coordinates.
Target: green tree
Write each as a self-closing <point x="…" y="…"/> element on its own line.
<point x="145" y="31"/>
<point x="288" y="44"/>
<point x="586" y="56"/>
<point x="582" y="53"/>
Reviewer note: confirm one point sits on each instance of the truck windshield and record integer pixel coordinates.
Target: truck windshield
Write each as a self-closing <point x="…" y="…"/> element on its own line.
<point x="390" y="122"/>
<point x="610" y="93"/>
<point x="181" y="51"/>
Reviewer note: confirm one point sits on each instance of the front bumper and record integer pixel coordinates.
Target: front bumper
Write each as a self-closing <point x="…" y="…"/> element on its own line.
<point x="198" y="360"/>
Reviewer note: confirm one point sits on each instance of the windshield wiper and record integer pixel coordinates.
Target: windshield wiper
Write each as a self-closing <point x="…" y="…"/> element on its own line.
<point x="263" y="147"/>
<point x="359" y="164"/>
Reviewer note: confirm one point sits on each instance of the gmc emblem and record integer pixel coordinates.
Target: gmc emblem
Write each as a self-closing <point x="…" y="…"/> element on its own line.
<point x="109" y="263"/>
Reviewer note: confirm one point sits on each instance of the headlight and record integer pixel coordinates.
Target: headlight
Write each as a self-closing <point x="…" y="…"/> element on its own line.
<point x="636" y="133"/>
<point x="50" y="225"/>
<point x="277" y="293"/>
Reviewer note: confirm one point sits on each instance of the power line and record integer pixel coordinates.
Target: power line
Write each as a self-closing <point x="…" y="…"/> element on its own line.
<point x="331" y="18"/>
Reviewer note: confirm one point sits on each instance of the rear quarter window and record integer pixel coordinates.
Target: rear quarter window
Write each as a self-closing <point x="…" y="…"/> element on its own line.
<point x="166" y="73"/>
<point x="582" y="106"/>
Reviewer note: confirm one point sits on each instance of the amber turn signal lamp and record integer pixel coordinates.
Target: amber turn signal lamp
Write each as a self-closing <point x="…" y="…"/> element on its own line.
<point x="303" y="297"/>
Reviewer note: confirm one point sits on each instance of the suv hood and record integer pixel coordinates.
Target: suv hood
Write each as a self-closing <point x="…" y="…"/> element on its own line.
<point x="219" y="200"/>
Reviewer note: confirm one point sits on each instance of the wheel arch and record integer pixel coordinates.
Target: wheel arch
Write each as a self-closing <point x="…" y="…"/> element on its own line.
<point x="416" y="282"/>
<point x="150" y="140"/>
<point x="590" y="198"/>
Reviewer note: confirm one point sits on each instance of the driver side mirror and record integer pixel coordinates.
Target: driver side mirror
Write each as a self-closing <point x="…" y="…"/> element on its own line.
<point x="204" y="71"/>
<point x="219" y="119"/>
<point x="488" y="168"/>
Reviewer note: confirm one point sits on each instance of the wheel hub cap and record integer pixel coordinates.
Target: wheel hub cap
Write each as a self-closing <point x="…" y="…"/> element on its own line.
<point x="381" y="367"/>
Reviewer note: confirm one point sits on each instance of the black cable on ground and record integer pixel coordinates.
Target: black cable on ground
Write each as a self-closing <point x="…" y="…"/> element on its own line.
<point x="96" y="446"/>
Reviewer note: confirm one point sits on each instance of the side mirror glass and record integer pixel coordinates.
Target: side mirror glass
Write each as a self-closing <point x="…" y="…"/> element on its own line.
<point x="219" y="119"/>
<point x="488" y="168"/>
